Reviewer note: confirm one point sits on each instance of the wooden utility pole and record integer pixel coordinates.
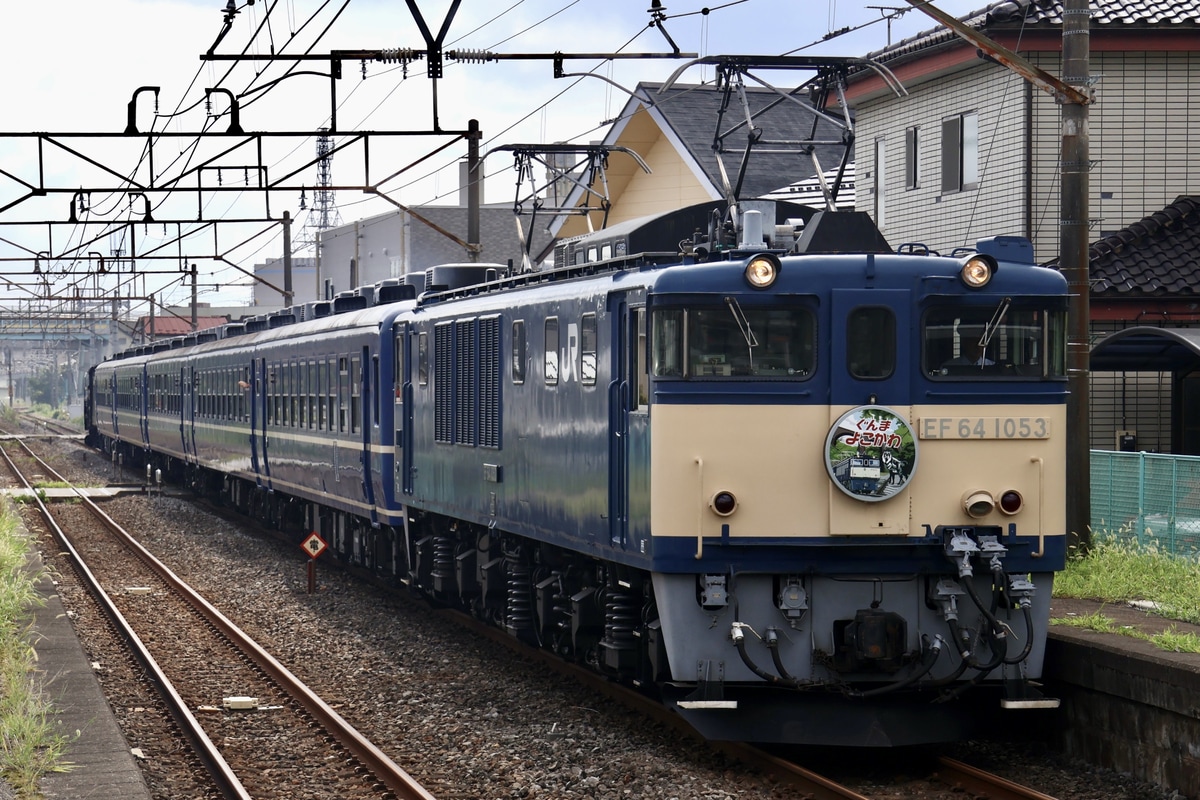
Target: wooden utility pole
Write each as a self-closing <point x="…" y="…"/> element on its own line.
<point x="1074" y="262"/>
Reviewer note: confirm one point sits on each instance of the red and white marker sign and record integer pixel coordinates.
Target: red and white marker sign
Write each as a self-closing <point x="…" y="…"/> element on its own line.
<point x="314" y="545"/>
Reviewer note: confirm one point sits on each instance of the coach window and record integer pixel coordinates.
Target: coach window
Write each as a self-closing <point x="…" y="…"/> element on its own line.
<point x="285" y="394"/>
<point x="244" y="386"/>
<point x="311" y="400"/>
<point x="551" y="361"/>
<point x="331" y="393"/>
<point x="375" y="394"/>
<point x="343" y="397"/>
<point x="322" y="382"/>
<point x="518" y="351"/>
<point x="273" y="395"/>
<point x="289" y="394"/>
<point x="295" y="394"/>
<point x="355" y="395"/>
<point x="302" y="394"/>
<point x="871" y="342"/>
<point x="587" y="349"/>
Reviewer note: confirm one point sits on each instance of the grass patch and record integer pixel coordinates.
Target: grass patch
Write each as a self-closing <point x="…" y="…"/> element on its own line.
<point x="30" y="744"/>
<point x="1117" y="572"/>
<point x="1092" y="622"/>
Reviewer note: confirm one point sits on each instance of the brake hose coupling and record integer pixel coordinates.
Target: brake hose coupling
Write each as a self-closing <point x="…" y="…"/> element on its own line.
<point x="1021" y="590"/>
<point x="960" y="549"/>
<point x="772" y="637"/>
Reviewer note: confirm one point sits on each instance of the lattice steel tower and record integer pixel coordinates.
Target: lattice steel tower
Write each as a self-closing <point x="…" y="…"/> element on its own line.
<point x="324" y="213"/>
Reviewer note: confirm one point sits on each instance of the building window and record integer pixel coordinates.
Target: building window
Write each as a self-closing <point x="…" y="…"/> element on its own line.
<point x="880" y="182"/>
<point x="912" y="163"/>
<point x="960" y="152"/>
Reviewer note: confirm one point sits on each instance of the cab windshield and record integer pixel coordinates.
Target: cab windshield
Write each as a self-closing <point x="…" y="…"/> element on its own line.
<point x="993" y="342"/>
<point x="732" y="341"/>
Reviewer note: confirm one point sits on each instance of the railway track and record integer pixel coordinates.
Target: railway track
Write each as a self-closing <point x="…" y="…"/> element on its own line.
<point x="259" y="731"/>
<point x="50" y="427"/>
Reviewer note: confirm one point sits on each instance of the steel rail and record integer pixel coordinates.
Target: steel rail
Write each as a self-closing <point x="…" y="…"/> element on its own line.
<point x="984" y="783"/>
<point x="387" y="771"/>
<point x="226" y="781"/>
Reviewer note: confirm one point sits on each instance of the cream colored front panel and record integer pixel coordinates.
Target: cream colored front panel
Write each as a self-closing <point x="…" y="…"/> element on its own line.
<point x="1011" y="458"/>
<point x="771" y="458"/>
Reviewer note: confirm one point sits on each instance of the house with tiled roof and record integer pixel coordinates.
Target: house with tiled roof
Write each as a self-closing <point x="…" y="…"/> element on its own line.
<point x="1145" y="320"/>
<point x="673" y="131"/>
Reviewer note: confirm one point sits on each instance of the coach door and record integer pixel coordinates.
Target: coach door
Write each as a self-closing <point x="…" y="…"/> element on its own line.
<point x="402" y="390"/>
<point x="629" y="425"/>
<point x="186" y="429"/>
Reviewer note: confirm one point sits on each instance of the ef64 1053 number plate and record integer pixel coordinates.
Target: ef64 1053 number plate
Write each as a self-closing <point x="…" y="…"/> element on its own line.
<point x="984" y="428"/>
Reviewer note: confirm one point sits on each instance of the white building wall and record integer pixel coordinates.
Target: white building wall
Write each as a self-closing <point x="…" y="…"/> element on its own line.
<point x="1143" y="155"/>
<point x="1141" y="143"/>
<point x="945" y="221"/>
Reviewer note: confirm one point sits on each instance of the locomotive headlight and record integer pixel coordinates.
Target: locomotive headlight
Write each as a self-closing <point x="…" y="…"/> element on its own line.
<point x="723" y="503"/>
<point x="978" y="504"/>
<point x="977" y="271"/>
<point x="762" y="270"/>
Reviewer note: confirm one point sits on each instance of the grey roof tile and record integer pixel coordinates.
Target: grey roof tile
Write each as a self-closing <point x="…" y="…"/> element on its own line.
<point x="1047" y="14"/>
<point x="1156" y="256"/>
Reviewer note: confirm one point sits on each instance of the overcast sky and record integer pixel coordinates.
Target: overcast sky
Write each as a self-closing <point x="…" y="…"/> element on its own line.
<point x="74" y="65"/>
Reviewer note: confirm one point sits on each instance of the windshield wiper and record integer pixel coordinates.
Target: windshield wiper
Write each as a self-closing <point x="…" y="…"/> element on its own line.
<point x="993" y="325"/>
<point x="743" y="324"/>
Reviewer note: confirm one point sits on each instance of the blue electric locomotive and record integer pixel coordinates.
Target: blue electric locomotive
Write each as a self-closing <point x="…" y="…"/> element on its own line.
<point x="653" y="459"/>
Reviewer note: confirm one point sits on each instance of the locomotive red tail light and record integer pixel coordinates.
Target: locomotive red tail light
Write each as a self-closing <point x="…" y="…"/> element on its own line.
<point x="1011" y="501"/>
<point x="978" y="503"/>
<point x="723" y="503"/>
<point x="762" y="270"/>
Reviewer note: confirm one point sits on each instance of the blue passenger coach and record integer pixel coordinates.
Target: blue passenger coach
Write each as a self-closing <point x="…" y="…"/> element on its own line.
<point x="803" y="487"/>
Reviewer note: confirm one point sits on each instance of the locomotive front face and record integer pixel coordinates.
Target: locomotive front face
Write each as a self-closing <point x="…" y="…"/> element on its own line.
<point x="836" y="474"/>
